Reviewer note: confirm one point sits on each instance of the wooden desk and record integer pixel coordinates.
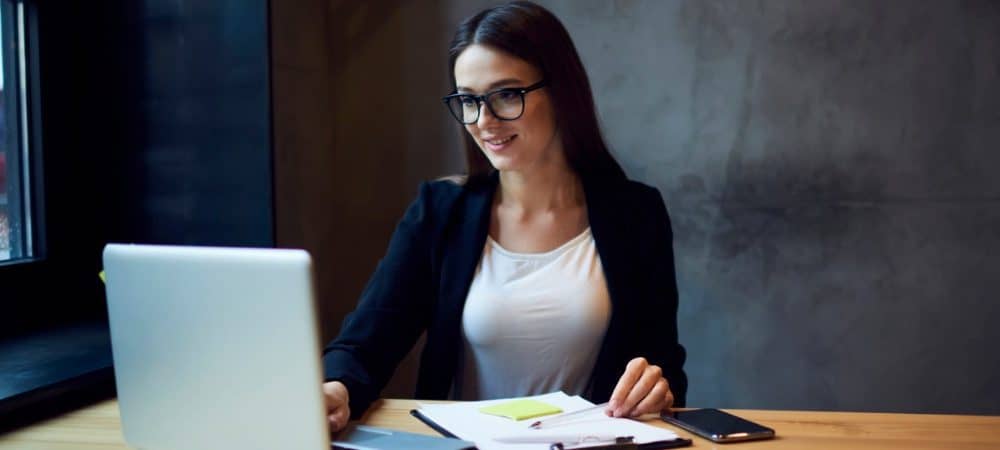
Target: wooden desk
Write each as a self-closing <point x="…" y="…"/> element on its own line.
<point x="98" y="428"/>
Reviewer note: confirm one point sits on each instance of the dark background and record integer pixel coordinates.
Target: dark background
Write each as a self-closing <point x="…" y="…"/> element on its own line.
<point x="154" y="121"/>
<point x="156" y="128"/>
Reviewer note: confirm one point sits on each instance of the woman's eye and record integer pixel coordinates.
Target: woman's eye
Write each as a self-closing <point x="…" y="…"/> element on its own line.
<point x="507" y="95"/>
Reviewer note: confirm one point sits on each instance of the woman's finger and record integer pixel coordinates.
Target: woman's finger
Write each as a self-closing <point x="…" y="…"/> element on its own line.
<point x="650" y="376"/>
<point x="669" y="402"/>
<point x="338" y="411"/>
<point x="654" y="401"/>
<point x="633" y="371"/>
<point x="338" y="418"/>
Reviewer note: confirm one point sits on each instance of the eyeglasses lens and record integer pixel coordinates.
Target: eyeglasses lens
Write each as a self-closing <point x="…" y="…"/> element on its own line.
<point x="506" y="105"/>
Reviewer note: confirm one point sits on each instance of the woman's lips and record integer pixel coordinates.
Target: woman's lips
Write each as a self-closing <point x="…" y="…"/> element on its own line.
<point x="499" y="143"/>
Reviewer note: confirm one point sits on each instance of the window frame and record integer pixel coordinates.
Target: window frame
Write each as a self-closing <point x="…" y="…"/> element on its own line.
<point x="21" y="73"/>
<point x="25" y="281"/>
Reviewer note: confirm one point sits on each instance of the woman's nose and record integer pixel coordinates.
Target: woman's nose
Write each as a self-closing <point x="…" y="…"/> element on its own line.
<point x="485" y="115"/>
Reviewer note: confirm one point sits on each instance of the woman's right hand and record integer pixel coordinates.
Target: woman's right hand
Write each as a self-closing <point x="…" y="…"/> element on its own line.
<point x="337" y="410"/>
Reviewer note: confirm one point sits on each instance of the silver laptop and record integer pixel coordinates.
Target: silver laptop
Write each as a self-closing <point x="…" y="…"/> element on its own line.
<point x="215" y="348"/>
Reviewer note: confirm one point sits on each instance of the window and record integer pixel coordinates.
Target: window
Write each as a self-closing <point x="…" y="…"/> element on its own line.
<point x="15" y="196"/>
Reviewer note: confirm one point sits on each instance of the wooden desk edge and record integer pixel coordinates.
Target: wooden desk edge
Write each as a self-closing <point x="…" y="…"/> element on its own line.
<point x="99" y="427"/>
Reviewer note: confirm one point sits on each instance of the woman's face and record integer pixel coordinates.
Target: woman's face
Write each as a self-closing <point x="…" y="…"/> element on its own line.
<point x="527" y="143"/>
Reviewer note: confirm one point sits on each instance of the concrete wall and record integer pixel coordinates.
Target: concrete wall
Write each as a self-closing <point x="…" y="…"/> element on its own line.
<point x="828" y="167"/>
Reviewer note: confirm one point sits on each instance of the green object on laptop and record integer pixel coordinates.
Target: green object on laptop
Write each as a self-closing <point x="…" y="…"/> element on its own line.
<point x="521" y="409"/>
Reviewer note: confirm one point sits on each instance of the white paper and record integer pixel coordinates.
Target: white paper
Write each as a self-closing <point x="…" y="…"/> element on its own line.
<point x="467" y="422"/>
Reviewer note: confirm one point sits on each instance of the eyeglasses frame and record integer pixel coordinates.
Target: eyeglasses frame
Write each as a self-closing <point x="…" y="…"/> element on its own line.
<point x="481" y="100"/>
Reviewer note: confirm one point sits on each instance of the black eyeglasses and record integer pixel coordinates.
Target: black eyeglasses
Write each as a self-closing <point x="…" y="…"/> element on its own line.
<point x="505" y="104"/>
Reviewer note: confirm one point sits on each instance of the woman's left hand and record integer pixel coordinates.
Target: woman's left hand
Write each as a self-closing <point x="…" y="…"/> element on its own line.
<point x="641" y="389"/>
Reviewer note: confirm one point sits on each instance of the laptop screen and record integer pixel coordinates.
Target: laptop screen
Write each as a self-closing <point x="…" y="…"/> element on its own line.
<point x="215" y="348"/>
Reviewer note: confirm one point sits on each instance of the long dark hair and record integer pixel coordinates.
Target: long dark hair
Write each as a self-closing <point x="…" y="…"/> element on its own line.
<point x="532" y="33"/>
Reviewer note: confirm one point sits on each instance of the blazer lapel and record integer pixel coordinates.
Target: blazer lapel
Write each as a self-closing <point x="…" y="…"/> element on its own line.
<point x="607" y="224"/>
<point x="464" y="248"/>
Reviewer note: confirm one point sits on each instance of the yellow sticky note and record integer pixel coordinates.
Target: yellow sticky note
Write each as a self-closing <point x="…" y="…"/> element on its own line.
<point x="521" y="409"/>
<point x="101" y="276"/>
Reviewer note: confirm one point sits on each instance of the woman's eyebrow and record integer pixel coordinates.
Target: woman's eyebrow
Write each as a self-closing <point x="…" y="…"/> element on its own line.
<point x="493" y="85"/>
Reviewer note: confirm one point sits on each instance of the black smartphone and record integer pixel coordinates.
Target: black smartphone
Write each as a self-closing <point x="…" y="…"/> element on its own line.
<point x="717" y="425"/>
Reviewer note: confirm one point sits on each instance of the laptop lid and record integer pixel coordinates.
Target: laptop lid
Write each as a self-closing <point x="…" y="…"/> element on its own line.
<point x="215" y="348"/>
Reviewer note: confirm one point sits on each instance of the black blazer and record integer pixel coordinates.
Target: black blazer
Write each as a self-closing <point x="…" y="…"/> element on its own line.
<point x="423" y="280"/>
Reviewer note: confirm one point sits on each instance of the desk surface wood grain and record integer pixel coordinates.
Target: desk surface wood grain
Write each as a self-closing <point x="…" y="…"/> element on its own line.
<point x="98" y="428"/>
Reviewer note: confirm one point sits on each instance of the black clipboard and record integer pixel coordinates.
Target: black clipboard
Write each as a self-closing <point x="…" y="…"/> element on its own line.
<point x="655" y="445"/>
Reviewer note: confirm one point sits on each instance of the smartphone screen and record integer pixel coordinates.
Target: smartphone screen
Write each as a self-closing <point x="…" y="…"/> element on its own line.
<point x="717" y="425"/>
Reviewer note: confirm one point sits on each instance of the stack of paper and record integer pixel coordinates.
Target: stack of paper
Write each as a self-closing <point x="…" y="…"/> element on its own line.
<point x="466" y="421"/>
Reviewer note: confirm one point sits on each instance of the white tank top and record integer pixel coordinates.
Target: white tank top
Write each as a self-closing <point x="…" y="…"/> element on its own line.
<point x="533" y="322"/>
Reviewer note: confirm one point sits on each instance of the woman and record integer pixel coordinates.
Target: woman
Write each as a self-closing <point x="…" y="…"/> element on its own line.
<point x="543" y="269"/>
